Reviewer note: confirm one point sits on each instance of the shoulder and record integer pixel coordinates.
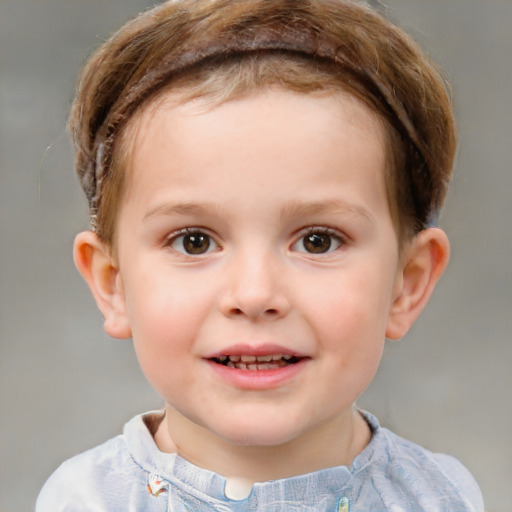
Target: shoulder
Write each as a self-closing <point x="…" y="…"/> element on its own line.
<point x="461" y="478"/>
<point x="92" y="480"/>
<point x="431" y="476"/>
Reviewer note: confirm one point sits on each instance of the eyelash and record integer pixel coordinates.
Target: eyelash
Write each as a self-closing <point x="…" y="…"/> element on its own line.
<point x="332" y="234"/>
<point x="340" y="240"/>
<point x="174" y="238"/>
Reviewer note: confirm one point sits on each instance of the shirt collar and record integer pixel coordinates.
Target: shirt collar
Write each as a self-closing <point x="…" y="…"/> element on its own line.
<point x="197" y="481"/>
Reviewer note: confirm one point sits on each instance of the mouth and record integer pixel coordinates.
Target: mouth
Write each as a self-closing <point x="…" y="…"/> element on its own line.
<point x="257" y="363"/>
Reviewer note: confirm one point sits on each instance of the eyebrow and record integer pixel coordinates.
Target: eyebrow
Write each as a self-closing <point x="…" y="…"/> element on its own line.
<point x="305" y="209"/>
<point x="182" y="209"/>
<point x="291" y="209"/>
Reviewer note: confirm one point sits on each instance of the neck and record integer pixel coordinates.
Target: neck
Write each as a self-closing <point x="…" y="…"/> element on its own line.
<point x="335" y="443"/>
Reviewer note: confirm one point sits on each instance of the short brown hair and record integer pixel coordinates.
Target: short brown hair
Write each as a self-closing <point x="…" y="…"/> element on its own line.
<point x="227" y="48"/>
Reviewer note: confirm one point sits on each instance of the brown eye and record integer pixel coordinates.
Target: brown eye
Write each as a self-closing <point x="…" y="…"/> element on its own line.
<point x="317" y="242"/>
<point x="197" y="243"/>
<point x="194" y="243"/>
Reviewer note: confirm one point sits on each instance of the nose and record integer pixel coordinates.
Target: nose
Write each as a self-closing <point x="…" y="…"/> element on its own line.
<point x="254" y="288"/>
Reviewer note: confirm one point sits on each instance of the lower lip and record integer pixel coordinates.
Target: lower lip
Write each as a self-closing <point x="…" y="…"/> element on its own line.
<point x="257" y="379"/>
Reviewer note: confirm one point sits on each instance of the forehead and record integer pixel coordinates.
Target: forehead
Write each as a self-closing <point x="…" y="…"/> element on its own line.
<point x="173" y="116"/>
<point x="284" y="137"/>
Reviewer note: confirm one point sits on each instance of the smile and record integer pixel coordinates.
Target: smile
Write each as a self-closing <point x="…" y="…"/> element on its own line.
<point x="257" y="363"/>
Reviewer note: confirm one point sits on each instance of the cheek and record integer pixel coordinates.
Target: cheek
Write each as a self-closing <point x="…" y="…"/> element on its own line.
<point x="165" y="304"/>
<point x="350" y="329"/>
<point x="164" y="344"/>
<point x="165" y="321"/>
<point x="350" y="312"/>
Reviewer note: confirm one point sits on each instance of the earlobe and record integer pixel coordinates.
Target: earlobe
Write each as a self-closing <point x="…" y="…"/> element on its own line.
<point x="94" y="261"/>
<point x="423" y="263"/>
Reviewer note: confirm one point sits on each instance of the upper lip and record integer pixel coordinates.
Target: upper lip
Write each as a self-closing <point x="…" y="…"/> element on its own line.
<point x="255" y="350"/>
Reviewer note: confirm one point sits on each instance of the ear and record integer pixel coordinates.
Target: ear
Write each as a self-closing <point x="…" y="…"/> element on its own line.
<point x="95" y="262"/>
<point x="423" y="263"/>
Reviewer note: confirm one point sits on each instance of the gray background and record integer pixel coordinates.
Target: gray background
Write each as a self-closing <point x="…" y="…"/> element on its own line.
<point x="66" y="387"/>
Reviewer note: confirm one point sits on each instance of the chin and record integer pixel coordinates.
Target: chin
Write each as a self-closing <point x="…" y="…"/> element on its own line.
<point x="261" y="435"/>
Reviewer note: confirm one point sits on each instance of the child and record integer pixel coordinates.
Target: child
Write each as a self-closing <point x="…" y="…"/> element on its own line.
<point x="263" y="179"/>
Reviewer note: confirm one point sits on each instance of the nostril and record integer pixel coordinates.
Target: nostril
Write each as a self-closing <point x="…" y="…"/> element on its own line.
<point x="266" y="312"/>
<point x="253" y="306"/>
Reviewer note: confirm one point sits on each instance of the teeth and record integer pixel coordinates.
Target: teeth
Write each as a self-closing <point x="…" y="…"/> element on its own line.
<point x="264" y="359"/>
<point x="253" y="363"/>
<point x="258" y="366"/>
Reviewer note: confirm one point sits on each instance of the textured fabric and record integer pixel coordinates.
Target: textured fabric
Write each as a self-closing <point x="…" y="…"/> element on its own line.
<point x="129" y="473"/>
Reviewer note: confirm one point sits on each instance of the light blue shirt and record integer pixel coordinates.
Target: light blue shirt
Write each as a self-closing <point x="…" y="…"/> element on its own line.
<point x="129" y="473"/>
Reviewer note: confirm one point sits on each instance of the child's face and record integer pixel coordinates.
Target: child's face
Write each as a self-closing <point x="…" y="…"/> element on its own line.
<point x="260" y="227"/>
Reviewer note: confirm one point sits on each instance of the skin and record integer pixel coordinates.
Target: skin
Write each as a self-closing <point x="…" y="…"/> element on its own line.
<point x="256" y="178"/>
